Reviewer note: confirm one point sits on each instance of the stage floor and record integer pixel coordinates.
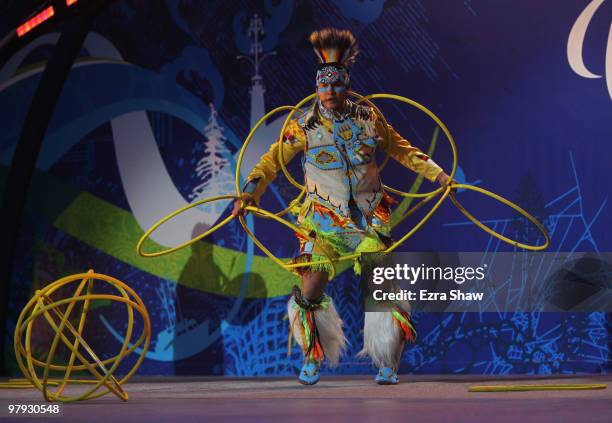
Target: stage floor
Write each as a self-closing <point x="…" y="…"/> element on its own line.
<point x="418" y="399"/>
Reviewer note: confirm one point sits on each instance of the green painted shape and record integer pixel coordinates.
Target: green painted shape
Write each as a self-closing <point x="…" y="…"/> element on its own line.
<point x="116" y="232"/>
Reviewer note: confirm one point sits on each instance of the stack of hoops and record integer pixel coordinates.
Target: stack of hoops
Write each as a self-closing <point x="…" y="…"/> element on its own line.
<point x="443" y="192"/>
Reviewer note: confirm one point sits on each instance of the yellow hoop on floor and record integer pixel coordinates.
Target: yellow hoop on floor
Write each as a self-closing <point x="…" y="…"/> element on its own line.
<point x="42" y="304"/>
<point x="552" y="387"/>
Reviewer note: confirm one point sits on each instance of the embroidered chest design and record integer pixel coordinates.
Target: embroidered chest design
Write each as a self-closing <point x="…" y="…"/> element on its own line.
<point x="345" y="131"/>
<point x="325" y="158"/>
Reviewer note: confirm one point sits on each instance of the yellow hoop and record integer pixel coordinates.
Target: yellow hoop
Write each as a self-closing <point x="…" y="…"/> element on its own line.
<point x="175" y="213"/>
<point x="439" y="123"/>
<point x="445" y="191"/>
<point x="298" y="108"/>
<point x="293" y="227"/>
<point x="42" y="304"/>
<point x="380" y="116"/>
<point x="281" y="159"/>
<point x="416" y="227"/>
<point x="249" y="137"/>
<point x="413" y="209"/>
<point x="509" y="204"/>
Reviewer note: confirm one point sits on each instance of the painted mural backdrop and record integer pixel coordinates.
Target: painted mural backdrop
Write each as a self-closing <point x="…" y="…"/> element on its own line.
<point x="155" y="110"/>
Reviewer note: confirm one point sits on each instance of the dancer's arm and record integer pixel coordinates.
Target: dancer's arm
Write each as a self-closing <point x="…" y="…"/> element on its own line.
<point x="264" y="172"/>
<point x="408" y="155"/>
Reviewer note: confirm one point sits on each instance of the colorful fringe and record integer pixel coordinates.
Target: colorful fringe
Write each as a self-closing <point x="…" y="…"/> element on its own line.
<point x="383" y="208"/>
<point x="330" y="239"/>
<point x="307" y="325"/>
<point x="341" y="222"/>
<point x="403" y="320"/>
<point x="369" y="244"/>
<point x="318" y="267"/>
<point x="336" y="243"/>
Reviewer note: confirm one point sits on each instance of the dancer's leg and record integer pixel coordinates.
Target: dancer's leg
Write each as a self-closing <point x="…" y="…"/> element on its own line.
<point x="315" y="325"/>
<point x="387" y="325"/>
<point x="313" y="284"/>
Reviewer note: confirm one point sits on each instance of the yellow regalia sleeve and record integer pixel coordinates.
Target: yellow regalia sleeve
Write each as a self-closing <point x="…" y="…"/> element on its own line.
<point x="264" y="172"/>
<point x="405" y="153"/>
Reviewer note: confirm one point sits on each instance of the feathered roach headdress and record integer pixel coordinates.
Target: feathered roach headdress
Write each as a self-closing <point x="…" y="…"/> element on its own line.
<point x="336" y="50"/>
<point x="334" y="46"/>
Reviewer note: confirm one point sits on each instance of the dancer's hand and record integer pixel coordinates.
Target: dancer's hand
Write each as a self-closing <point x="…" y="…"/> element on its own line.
<point x="240" y="211"/>
<point x="443" y="179"/>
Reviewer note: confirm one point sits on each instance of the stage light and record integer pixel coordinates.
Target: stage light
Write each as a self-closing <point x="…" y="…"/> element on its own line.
<point x="32" y="23"/>
<point x="70" y="2"/>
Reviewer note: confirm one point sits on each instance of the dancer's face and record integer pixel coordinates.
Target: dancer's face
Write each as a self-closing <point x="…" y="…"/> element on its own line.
<point x="332" y="87"/>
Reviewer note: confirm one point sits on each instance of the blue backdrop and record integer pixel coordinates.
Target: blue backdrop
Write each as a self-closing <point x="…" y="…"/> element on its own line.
<point x="161" y="99"/>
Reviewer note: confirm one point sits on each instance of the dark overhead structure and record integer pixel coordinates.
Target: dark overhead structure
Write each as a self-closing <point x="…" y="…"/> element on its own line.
<point x="73" y="19"/>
